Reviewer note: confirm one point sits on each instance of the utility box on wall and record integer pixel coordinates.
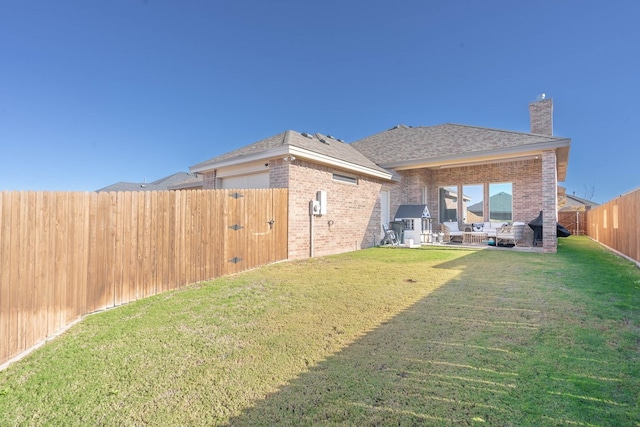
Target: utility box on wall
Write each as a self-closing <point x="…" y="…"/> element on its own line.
<point x="321" y="197"/>
<point x="314" y="207"/>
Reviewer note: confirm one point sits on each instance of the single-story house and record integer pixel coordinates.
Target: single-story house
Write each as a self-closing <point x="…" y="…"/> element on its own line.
<point x="571" y="202"/>
<point x="364" y="182"/>
<point x="176" y="181"/>
<point x="501" y="208"/>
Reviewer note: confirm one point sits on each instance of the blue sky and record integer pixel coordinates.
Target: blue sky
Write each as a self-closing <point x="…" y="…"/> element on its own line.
<point x="92" y="93"/>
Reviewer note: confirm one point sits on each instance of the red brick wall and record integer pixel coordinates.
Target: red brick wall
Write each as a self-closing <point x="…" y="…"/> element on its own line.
<point x="541" y="116"/>
<point x="549" y="201"/>
<point x="526" y="177"/>
<point x="353" y="212"/>
<point x="209" y="180"/>
<point x="278" y="173"/>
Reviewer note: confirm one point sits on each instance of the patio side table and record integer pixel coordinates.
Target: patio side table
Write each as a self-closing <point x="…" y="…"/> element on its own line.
<point x="474" y="237"/>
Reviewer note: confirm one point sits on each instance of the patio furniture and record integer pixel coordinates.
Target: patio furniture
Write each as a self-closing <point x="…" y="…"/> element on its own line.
<point x="390" y="237"/>
<point x="474" y="237"/>
<point x="510" y="233"/>
<point x="451" y="230"/>
<point x="489" y="227"/>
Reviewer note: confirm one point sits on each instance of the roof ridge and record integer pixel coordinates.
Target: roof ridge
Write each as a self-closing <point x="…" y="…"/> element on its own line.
<point x="502" y="130"/>
<point x="406" y="127"/>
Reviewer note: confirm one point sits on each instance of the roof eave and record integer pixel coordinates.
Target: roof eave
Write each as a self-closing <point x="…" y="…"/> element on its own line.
<point x="290" y="150"/>
<point x="246" y="158"/>
<point x="487" y="156"/>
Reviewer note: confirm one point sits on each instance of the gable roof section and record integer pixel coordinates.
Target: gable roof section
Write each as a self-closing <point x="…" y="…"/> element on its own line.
<point x="582" y="201"/>
<point x="404" y="147"/>
<point x="574" y="203"/>
<point x="318" y="148"/>
<point x="499" y="203"/>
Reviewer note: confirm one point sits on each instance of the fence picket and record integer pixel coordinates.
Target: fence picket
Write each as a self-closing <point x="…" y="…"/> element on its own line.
<point x="5" y="265"/>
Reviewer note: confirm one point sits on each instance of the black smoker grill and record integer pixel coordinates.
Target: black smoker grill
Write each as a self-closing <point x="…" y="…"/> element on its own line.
<point x="536" y="226"/>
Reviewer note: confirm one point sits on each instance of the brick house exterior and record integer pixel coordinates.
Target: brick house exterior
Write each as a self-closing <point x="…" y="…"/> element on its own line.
<point x="306" y="164"/>
<point x="409" y="165"/>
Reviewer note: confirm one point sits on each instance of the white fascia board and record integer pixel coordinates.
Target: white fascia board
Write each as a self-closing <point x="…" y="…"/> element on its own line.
<point x="248" y="158"/>
<point x="479" y="156"/>
<point x="295" y="152"/>
<point x="331" y="161"/>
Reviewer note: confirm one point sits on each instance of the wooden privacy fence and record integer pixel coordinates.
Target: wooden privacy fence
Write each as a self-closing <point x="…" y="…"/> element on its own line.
<point x="574" y="221"/>
<point x="63" y="255"/>
<point x="616" y="224"/>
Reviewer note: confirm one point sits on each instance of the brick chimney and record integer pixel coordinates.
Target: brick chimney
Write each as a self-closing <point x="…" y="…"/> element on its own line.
<point x="541" y="115"/>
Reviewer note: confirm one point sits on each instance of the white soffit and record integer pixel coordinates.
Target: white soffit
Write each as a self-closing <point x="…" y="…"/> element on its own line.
<point x="242" y="169"/>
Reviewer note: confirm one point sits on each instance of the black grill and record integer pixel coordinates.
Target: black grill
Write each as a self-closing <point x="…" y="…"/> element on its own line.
<point x="536" y="226"/>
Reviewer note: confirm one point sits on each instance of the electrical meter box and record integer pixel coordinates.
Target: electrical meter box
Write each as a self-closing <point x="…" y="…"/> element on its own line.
<point x="314" y="207"/>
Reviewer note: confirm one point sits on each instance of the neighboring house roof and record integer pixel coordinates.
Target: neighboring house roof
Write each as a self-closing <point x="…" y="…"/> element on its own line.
<point x="406" y="147"/>
<point x="318" y="148"/>
<point x="177" y="181"/>
<point x="499" y="203"/>
<point x="573" y="203"/>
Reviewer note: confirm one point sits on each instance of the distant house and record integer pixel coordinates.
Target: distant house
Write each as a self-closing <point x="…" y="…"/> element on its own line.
<point x="501" y="207"/>
<point x="573" y="203"/>
<point x="177" y="181"/>
<point x="367" y="180"/>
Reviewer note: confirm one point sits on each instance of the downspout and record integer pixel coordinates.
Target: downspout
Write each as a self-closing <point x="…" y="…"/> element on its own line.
<point x="311" y="229"/>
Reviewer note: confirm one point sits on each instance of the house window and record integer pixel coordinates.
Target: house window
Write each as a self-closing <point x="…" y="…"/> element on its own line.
<point x="408" y="224"/>
<point x="448" y="204"/>
<point x="473" y="203"/>
<point x="501" y="201"/>
<point x="345" y="178"/>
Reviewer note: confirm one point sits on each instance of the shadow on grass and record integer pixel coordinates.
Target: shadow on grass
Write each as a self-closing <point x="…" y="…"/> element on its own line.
<point x="481" y="350"/>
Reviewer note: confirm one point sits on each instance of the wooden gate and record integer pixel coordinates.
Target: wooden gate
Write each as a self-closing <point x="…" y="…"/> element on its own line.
<point x="255" y="227"/>
<point x="574" y="221"/>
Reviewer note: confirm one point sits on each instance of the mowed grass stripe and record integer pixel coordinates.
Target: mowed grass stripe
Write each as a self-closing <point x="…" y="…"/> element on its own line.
<point x="376" y="337"/>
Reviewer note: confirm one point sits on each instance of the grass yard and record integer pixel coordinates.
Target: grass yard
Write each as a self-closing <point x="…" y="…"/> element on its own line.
<point x="384" y="336"/>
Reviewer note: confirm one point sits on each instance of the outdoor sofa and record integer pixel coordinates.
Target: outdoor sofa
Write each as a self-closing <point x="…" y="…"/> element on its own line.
<point x="499" y="232"/>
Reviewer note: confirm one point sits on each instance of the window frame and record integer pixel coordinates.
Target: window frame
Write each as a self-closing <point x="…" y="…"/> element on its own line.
<point x="442" y="216"/>
<point x="491" y="213"/>
<point x="344" y="178"/>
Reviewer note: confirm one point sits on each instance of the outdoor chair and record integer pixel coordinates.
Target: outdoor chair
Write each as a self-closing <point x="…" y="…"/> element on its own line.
<point x="510" y="233"/>
<point x="451" y="230"/>
<point x="390" y="237"/>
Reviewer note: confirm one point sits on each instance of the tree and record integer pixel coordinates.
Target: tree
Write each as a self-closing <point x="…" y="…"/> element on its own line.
<point x="589" y="192"/>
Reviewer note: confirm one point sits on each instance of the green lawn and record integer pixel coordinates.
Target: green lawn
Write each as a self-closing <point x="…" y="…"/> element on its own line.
<point x="384" y="336"/>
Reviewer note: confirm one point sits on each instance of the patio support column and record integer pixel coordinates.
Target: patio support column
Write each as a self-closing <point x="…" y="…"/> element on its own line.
<point x="549" y="201"/>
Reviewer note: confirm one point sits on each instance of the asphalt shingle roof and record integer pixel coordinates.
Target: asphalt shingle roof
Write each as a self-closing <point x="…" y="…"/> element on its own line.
<point x="404" y="143"/>
<point x="317" y="143"/>
<point x="179" y="179"/>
